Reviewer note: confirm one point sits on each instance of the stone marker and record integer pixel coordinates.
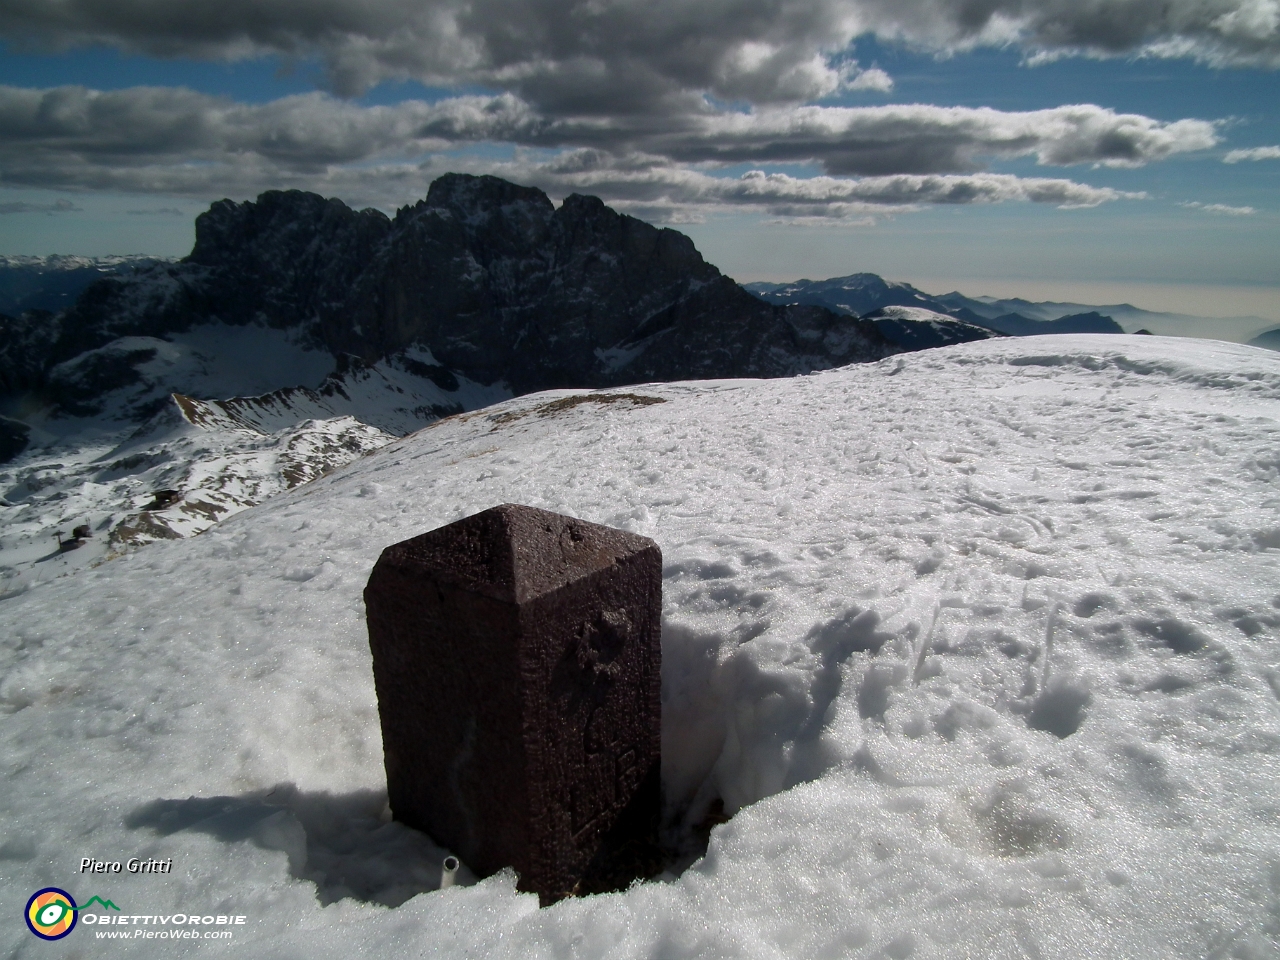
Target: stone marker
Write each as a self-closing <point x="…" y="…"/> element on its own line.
<point x="516" y="655"/>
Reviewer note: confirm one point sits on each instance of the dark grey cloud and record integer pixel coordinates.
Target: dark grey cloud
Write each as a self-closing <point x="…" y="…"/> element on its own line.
<point x="181" y="143"/>
<point x="678" y="194"/>
<point x="916" y="138"/>
<point x="306" y="131"/>
<point x="43" y="132"/>
<point x="626" y="57"/>
<point x="638" y="100"/>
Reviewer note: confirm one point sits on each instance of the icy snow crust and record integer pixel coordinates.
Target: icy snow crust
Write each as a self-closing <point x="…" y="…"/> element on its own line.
<point x="978" y="644"/>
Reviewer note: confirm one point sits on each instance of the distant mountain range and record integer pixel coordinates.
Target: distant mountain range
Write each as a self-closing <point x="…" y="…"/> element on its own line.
<point x="1269" y="340"/>
<point x="862" y="293"/>
<point x="53" y="283"/>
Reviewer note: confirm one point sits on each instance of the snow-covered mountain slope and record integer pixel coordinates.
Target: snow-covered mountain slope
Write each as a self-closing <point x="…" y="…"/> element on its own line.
<point x="216" y="456"/>
<point x="916" y="328"/>
<point x="980" y="646"/>
<point x="128" y="379"/>
<point x="191" y="466"/>
<point x="400" y="394"/>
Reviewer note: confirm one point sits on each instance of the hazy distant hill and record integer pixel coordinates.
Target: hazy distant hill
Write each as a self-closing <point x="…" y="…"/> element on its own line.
<point x="1270" y="339"/>
<point x="53" y="283"/>
<point x="1016" y="325"/>
<point x="862" y="293"/>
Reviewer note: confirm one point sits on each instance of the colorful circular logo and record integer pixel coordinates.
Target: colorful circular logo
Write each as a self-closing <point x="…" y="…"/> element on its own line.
<point x="51" y="913"/>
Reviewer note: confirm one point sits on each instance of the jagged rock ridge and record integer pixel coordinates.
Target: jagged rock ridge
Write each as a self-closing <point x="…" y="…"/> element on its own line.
<point x="491" y="278"/>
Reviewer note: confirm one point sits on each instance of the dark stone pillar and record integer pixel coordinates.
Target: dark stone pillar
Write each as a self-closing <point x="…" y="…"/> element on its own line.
<point x="516" y="655"/>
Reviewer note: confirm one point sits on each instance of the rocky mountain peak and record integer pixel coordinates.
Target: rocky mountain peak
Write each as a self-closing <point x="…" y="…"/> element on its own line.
<point x="489" y="277"/>
<point x="587" y="224"/>
<point x="278" y="223"/>
<point x="482" y="196"/>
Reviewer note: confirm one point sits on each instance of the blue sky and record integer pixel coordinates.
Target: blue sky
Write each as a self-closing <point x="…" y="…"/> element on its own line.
<point x="1038" y="150"/>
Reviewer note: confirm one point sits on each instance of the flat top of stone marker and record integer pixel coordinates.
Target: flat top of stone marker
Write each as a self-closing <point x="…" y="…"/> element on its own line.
<point x="514" y="553"/>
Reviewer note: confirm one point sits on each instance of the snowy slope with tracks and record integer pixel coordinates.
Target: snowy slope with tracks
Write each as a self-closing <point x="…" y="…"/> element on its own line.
<point x="979" y="647"/>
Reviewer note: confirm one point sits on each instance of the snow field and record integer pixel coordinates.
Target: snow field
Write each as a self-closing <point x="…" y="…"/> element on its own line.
<point x="978" y="645"/>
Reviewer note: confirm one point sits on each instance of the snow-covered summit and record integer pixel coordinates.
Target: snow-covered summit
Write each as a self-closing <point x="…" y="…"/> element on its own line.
<point x="918" y="328"/>
<point x="979" y="646"/>
<point x="857" y="294"/>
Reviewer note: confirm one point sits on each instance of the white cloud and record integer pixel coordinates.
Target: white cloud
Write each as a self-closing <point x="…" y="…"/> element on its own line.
<point x="43" y="132"/>
<point x="871" y="79"/>
<point x="1220" y="208"/>
<point x="1252" y="153"/>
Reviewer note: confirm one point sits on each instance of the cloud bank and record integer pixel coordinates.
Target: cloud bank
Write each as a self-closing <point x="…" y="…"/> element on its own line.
<point x="641" y="56"/>
<point x="179" y="142"/>
<point x="640" y="101"/>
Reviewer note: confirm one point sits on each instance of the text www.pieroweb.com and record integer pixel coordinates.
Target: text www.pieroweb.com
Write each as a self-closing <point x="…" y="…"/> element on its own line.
<point x="165" y="934"/>
<point x="173" y="927"/>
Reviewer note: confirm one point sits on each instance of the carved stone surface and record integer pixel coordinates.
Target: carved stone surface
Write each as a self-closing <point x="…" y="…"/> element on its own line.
<point x="516" y="655"/>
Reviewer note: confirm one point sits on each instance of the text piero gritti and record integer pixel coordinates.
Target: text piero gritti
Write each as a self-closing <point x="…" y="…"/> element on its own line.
<point x="132" y="865"/>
